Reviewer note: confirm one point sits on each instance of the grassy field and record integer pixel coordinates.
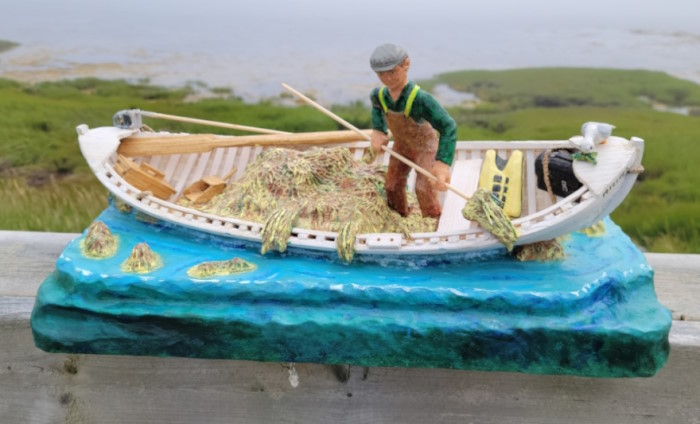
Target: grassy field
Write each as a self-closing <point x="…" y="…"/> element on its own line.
<point x="48" y="186"/>
<point x="66" y="205"/>
<point x="562" y="87"/>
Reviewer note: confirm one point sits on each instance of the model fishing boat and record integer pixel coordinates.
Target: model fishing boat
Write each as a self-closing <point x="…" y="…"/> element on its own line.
<point x="181" y="292"/>
<point x="153" y="171"/>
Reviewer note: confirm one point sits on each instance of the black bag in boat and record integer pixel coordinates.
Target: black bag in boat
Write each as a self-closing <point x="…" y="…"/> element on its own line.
<point x="561" y="173"/>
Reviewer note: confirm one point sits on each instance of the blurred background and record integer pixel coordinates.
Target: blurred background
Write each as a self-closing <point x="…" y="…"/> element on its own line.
<point x="323" y="46"/>
<point x="507" y="70"/>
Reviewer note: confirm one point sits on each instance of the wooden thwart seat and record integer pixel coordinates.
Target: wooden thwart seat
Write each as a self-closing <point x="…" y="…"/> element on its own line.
<point x="465" y="177"/>
<point x="144" y="177"/>
<point x="203" y="190"/>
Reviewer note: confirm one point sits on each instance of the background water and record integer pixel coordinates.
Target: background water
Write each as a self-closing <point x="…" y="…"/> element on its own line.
<point x="323" y="47"/>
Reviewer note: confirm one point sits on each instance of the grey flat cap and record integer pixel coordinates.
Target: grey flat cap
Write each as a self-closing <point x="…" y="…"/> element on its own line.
<point x="386" y="57"/>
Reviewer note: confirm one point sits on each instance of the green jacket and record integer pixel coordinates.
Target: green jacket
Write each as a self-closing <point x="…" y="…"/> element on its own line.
<point x="424" y="108"/>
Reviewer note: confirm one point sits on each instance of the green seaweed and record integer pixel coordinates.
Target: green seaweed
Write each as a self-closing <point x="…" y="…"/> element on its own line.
<point x="99" y="242"/>
<point x="221" y="268"/>
<point x="543" y="251"/>
<point x="142" y="260"/>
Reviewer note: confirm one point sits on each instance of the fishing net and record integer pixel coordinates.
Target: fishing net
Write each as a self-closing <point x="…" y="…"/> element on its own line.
<point x="320" y="189"/>
<point x="277" y="229"/>
<point x="483" y="208"/>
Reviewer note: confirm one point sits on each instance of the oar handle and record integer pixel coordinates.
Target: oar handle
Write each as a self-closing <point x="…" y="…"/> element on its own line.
<point x="350" y="126"/>
<point x="326" y="112"/>
<point x="229" y="174"/>
<point x="423" y="171"/>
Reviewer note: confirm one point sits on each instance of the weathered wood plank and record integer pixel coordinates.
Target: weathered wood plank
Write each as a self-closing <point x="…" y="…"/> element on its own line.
<point x="37" y="387"/>
<point x="26" y="258"/>
<point x="677" y="283"/>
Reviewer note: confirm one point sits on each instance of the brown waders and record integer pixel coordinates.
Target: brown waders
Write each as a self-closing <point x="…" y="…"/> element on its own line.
<point x="417" y="142"/>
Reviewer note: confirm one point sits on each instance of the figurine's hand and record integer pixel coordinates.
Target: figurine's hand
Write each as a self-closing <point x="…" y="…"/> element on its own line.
<point x="377" y="140"/>
<point x="441" y="170"/>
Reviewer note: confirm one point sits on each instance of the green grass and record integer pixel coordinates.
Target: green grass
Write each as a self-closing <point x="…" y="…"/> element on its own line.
<point x="68" y="205"/>
<point x="7" y="45"/>
<point x="661" y="213"/>
<point x="561" y="87"/>
<point x="39" y="121"/>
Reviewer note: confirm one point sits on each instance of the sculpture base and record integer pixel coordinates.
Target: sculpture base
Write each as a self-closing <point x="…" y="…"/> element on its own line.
<point x="592" y="314"/>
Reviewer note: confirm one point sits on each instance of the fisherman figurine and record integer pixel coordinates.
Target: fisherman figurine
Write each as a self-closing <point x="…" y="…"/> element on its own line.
<point x="413" y="116"/>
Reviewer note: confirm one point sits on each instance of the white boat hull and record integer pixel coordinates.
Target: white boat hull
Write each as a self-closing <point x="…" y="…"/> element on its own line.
<point x="604" y="187"/>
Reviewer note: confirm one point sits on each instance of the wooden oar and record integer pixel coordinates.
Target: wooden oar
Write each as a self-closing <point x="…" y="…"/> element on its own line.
<point x="133" y="117"/>
<point x="148" y="144"/>
<point x="366" y="136"/>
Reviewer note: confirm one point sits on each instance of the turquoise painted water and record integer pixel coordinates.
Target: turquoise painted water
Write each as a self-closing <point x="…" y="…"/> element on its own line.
<point x="594" y="313"/>
<point x="285" y="275"/>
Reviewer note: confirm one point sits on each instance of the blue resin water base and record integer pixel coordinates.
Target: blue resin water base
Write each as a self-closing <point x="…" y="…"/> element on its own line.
<point x="593" y="314"/>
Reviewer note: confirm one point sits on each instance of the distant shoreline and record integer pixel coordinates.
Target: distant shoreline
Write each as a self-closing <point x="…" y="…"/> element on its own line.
<point x="199" y="90"/>
<point x="335" y="72"/>
<point x="439" y="85"/>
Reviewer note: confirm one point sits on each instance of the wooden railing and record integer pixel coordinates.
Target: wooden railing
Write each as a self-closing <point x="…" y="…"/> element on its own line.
<point x="38" y="387"/>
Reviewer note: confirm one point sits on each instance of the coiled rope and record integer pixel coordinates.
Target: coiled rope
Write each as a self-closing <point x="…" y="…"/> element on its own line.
<point x="545" y="172"/>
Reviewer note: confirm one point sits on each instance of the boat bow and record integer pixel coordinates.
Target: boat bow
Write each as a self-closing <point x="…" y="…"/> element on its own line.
<point x="98" y="144"/>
